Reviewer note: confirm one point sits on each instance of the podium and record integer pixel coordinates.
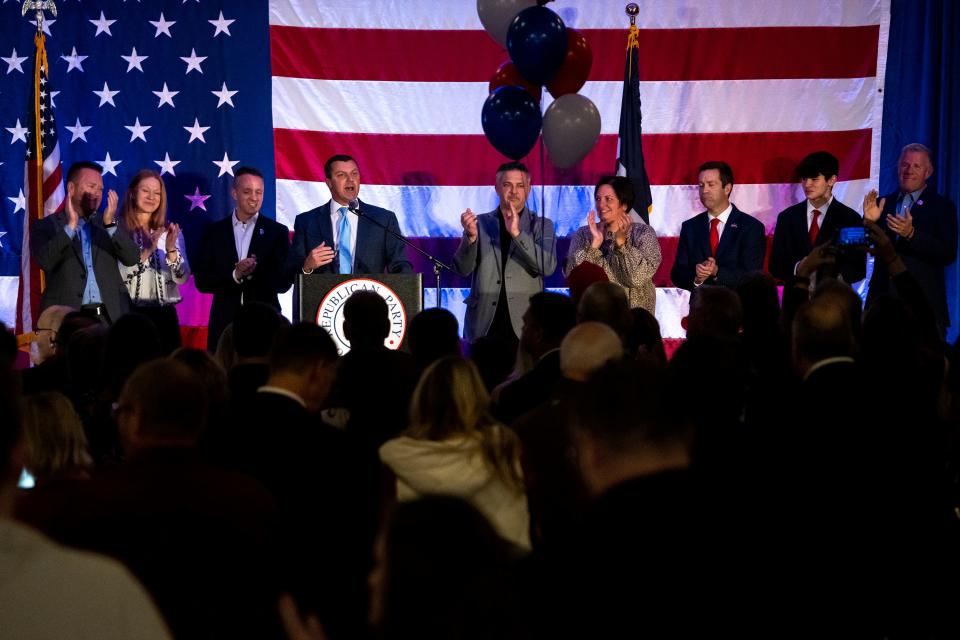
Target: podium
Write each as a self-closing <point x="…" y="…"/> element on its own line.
<point x="319" y="298"/>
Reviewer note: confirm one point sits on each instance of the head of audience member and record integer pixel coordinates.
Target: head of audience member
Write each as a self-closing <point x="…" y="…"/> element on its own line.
<point x="247" y="192"/>
<point x="513" y="185"/>
<point x="433" y="333"/>
<point x="581" y="277"/>
<point x="85" y="187"/>
<point x="821" y="330"/>
<point x="606" y="302"/>
<point x="226" y="354"/>
<point x="915" y="167"/>
<point x="545" y="322"/>
<point x="213" y="375"/>
<point x="254" y="327"/>
<point x="818" y="173"/>
<point x="8" y="347"/>
<point x="72" y="322"/>
<point x="494" y="358"/>
<point x="131" y="341"/>
<point x="614" y="197"/>
<point x="303" y="361"/>
<point x="643" y="338"/>
<point x="343" y="178"/>
<point x="714" y="311"/>
<point x="56" y="443"/>
<point x="366" y="320"/>
<point x="450" y="401"/>
<point x="163" y="404"/>
<point x="440" y="572"/>
<point x="586" y="348"/>
<point x="85" y="363"/>
<point x="892" y="335"/>
<point x="623" y="428"/>
<point x="145" y="202"/>
<point x="840" y="293"/>
<point x="714" y="183"/>
<point x="47" y="329"/>
<point x="760" y="304"/>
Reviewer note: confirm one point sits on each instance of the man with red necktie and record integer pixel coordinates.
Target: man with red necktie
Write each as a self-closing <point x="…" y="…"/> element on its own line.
<point x="814" y="222"/>
<point x="722" y="244"/>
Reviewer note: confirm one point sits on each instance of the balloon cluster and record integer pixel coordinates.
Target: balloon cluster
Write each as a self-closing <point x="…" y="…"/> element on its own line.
<point x="543" y="51"/>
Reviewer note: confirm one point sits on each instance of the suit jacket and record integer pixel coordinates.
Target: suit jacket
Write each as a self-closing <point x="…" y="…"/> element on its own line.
<point x="933" y="247"/>
<point x="529" y="390"/>
<point x="376" y="251"/>
<point x="523" y="277"/>
<point x="791" y="240"/>
<point x="62" y="261"/>
<point x="213" y="270"/>
<point x="742" y="247"/>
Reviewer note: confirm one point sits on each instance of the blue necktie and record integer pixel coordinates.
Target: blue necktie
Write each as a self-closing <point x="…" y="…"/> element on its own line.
<point x="906" y="203"/>
<point x="343" y="235"/>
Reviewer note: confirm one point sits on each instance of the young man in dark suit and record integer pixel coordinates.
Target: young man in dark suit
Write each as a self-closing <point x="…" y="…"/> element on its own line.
<point x="76" y="243"/>
<point x="923" y="227"/>
<point x="815" y="221"/>
<point x="242" y="256"/>
<point x="722" y="244"/>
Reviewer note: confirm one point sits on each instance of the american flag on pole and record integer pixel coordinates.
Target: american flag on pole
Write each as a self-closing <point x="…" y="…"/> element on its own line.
<point x="43" y="181"/>
<point x="399" y="85"/>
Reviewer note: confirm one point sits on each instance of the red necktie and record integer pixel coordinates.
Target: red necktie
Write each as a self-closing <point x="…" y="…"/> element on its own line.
<point x="714" y="236"/>
<point x="814" y="228"/>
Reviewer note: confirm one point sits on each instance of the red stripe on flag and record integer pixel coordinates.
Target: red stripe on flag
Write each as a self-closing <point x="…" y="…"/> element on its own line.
<point x="665" y="54"/>
<point x="463" y="160"/>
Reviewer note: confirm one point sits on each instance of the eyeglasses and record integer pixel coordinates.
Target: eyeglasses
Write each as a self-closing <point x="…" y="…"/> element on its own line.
<point x="53" y="336"/>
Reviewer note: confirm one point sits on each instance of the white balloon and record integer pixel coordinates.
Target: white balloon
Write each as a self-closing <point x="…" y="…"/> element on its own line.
<point x="571" y="126"/>
<point x="496" y="16"/>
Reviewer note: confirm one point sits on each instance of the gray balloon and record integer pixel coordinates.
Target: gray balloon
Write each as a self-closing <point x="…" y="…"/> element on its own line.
<point x="571" y="126"/>
<point x="496" y="16"/>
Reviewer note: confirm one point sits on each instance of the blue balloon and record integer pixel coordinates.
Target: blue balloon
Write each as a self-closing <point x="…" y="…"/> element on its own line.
<point x="537" y="43"/>
<point x="511" y="121"/>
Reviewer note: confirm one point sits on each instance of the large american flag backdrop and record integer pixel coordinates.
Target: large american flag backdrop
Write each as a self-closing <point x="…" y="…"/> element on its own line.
<point x="194" y="88"/>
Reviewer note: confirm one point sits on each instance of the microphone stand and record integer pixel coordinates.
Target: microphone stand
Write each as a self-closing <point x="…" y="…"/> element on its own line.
<point x="438" y="266"/>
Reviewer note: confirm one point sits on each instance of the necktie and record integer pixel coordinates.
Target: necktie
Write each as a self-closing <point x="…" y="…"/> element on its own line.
<point x="906" y="204"/>
<point x="343" y="245"/>
<point x="814" y="227"/>
<point x="714" y="236"/>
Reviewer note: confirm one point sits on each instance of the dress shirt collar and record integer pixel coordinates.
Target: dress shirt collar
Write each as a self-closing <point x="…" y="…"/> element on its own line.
<point x="724" y="215"/>
<point x="286" y="393"/>
<point x="822" y="210"/>
<point x="243" y="225"/>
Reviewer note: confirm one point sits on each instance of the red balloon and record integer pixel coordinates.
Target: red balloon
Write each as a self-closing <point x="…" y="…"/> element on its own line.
<point x="507" y="74"/>
<point x="575" y="68"/>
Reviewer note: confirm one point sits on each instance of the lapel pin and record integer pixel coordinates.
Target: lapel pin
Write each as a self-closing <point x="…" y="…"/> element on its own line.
<point x="919" y="202"/>
<point x="733" y="226"/>
<point x="261" y="230"/>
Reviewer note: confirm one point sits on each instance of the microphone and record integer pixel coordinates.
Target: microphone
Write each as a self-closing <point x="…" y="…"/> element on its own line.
<point x="354" y="206"/>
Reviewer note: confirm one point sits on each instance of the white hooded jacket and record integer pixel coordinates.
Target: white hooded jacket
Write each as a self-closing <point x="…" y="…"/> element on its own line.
<point x="456" y="467"/>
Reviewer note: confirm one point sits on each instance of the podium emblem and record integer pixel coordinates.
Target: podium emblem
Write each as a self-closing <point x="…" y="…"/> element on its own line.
<point x="330" y="312"/>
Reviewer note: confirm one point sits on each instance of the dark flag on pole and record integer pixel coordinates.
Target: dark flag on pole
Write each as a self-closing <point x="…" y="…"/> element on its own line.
<point x="630" y="146"/>
<point x="43" y="182"/>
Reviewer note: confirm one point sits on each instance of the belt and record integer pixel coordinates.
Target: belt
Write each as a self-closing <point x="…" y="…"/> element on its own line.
<point x="95" y="309"/>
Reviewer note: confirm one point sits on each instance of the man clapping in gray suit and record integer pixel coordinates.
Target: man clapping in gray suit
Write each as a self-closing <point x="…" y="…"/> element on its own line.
<point x="509" y="251"/>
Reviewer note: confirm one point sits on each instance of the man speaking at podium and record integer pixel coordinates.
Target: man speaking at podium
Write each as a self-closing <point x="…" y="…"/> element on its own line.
<point x="342" y="236"/>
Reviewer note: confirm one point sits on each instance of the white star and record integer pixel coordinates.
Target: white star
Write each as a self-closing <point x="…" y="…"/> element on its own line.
<point x="196" y="200"/>
<point x="167" y="165"/>
<point x="225" y="95"/>
<point x="109" y="166"/>
<point x="75" y="61"/>
<point x="19" y="133"/>
<point x="166" y="96"/>
<point x="78" y="130"/>
<point x="14" y="62"/>
<point x="133" y="61"/>
<point x="137" y="130"/>
<point x="53" y="94"/>
<point x="163" y="26"/>
<point x="193" y="62"/>
<point x="19" y="203"/>
<point x="196" y="132"/>
<point x="223" y="26"/>
<point x="226" y="165"/>
<point x="102" y="25"/>
<point x="2" y="233"/>
<point x="106" y="96"/>
<point x="46" y="26"/>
